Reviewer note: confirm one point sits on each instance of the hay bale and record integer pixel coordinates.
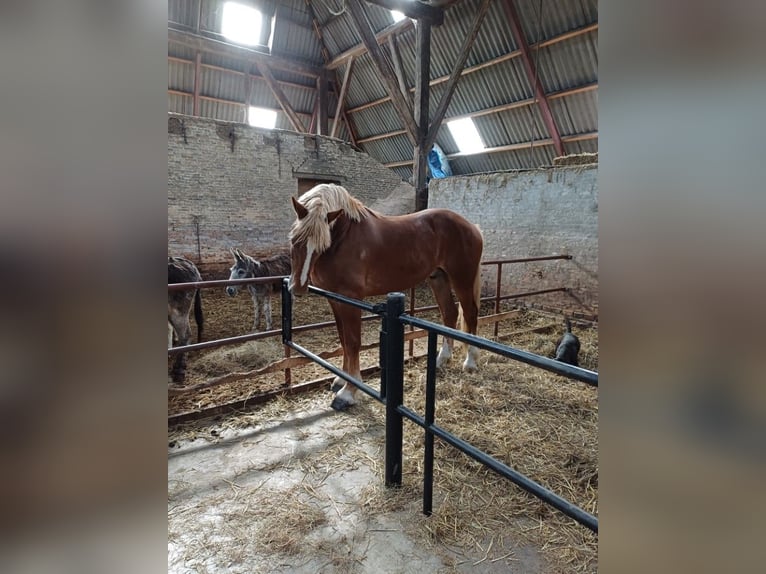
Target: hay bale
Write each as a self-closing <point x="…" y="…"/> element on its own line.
<point x="576" y="159"/>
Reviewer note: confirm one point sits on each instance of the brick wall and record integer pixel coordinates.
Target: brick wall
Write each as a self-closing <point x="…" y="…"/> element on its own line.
<point x="240" y="197"/>
<point x="531" y="213"/>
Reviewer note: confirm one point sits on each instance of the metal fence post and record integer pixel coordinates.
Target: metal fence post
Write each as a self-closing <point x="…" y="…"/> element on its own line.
<point x="394" y="387"/>
<point x="287" y="313"/>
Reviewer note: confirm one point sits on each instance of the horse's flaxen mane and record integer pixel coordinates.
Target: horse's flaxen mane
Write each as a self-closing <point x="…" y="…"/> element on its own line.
<point x="319" y="201"/>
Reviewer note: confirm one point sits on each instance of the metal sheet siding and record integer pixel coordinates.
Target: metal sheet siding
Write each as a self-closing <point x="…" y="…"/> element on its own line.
<point x="561" y="66"/>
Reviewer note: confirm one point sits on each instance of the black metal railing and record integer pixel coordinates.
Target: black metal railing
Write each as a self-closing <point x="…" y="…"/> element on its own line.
<point x="392" y="392"/>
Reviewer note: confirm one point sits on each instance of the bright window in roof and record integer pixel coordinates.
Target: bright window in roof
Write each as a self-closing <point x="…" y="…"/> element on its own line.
<point x="261" y="117"/>
<point x="397" y="16"/>
<point x="465" y="135"/>
<point x="241" y="24"/>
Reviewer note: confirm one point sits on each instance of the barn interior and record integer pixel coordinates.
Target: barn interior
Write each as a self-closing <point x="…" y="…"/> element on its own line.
<point x="485" y="107"/>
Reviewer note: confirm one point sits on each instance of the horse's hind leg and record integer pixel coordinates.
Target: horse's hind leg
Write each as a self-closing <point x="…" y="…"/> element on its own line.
<point x="349" y="322"/>
<point x="440" y="285"/>
<point x="468" y="294"/>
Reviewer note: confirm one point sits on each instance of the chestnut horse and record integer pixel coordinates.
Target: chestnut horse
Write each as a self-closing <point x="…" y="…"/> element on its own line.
<point x="340" y="245"/>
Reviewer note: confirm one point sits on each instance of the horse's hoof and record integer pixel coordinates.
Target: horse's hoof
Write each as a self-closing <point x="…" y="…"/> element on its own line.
<point x="340" y="404"/>
<point x="337" y="385"/>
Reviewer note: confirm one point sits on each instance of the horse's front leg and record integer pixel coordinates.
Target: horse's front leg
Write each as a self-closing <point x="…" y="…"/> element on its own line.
<point x="349" y="323"/>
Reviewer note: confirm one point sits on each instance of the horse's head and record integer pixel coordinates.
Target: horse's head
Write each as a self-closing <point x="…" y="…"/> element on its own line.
<point x="240" y="270"/>
<point x="309" y="237"/>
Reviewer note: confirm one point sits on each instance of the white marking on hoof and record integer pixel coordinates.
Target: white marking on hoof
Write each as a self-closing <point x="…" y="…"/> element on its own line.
<point x="470" y="360"/>
<point x="345" y="396"/>
<point x="337" y="384"/>
<point x="444" y="355"/>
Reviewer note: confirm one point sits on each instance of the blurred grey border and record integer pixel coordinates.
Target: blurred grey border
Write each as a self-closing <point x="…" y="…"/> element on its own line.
<point x="83" y="178"/>
<point x="682" y="247"/>
<point x="82" y="235"/>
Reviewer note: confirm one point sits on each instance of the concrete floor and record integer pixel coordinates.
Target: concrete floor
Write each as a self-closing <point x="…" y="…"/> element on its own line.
<point x="232" y="491"/>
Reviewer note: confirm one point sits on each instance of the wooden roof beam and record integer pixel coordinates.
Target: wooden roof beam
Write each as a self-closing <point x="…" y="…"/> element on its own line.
<point x="414" y="9"/>
<point x="228" y="50"/>
<point x="441" y="109"/>
<point x="512" y="147"/>
<point x="380" y="37"/>
<point x="358" y="15"/>
<point x="284" y="103"/>
<point x="532" y="74"/>
<point x="493" y="62"/>
<point x="493" y="110"/>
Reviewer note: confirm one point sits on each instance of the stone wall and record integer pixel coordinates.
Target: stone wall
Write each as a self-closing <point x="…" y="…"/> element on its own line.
<point x="229" y="184"/>
<point x="534" y="213"/>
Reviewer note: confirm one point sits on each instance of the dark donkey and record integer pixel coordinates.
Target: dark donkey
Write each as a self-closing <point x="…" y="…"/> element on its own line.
<point x="246" y="267"/>
<point x="181" y="270"/>
<point x="568" y="346"/>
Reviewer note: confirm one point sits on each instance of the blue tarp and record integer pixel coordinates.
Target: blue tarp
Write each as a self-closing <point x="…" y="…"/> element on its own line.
<point x="438" y="163"/>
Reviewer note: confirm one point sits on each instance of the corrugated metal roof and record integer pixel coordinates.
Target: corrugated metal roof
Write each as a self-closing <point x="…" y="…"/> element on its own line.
<point x="562" y="64"/>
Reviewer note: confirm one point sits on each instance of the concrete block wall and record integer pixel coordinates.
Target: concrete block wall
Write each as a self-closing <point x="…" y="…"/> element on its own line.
<point x="229" y="184"/>
<point x="552" y="211"/>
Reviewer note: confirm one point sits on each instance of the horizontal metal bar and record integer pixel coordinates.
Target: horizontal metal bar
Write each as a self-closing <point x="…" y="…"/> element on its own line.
<point x="348" y="300"/>
<point x="526" y="259"/>
<point x="224" y="282"/>
<point x="526" y="294"/>
<point x="333" y="369"/>
<point x="564" y="369"/>
<point x="561" y="504"/>
<point x="222" y="342"/>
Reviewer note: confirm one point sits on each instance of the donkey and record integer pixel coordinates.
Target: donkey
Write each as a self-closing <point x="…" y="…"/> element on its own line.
<point x="246" y="267"/>
<point x="568" y="346"/>
<point x="181" y="270"/>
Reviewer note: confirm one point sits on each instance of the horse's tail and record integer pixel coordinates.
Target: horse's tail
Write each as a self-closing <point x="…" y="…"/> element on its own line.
<point x="198" y="314"/>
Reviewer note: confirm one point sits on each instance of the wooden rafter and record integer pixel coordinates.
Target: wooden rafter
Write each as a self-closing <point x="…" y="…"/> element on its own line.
<point x="493" y="62"/>
<point x="494" y="110"/>
<point x="326" y="58"/>
<point x="421" y="103"/>
<point x="414" y="9"/>
<point x="534" y="79"/>
<point x="197" y="82"/>
<point x="205" y="44"/>
<point x="380" y="38"/>
<point x="511" y="147"/>
<point x="342" y="98"/>
<point x="323" y="103"/>
<point x="396" y="58"/>
<point x="358" y="15"/>
<point x="284" y="103"/>
<point x="441" y="109"/>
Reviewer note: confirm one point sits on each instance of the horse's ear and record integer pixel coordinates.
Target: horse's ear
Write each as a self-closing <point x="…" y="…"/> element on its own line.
<point x="300" y="210"/>
<point x="333" y="215"/>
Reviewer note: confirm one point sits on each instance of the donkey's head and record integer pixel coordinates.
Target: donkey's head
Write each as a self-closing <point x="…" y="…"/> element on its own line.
<point x="242" y="269"/>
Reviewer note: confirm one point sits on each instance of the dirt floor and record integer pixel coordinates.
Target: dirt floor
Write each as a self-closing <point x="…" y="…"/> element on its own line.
<point x="292" y="486"/>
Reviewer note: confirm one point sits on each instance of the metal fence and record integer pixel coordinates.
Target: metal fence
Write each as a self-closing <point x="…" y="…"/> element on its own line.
<point x="391" y="394"/>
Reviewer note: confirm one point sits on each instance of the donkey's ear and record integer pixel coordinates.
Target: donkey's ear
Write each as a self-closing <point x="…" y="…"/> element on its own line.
<point x="300" y="210"/>
<point x="333" y="215"/>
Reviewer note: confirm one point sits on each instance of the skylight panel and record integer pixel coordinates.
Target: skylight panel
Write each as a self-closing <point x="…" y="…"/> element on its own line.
<point x="241" y="24"/>
<point x="261" y="118"/>
<point x="465" y="135"/>
<point x="397" y="16"/>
